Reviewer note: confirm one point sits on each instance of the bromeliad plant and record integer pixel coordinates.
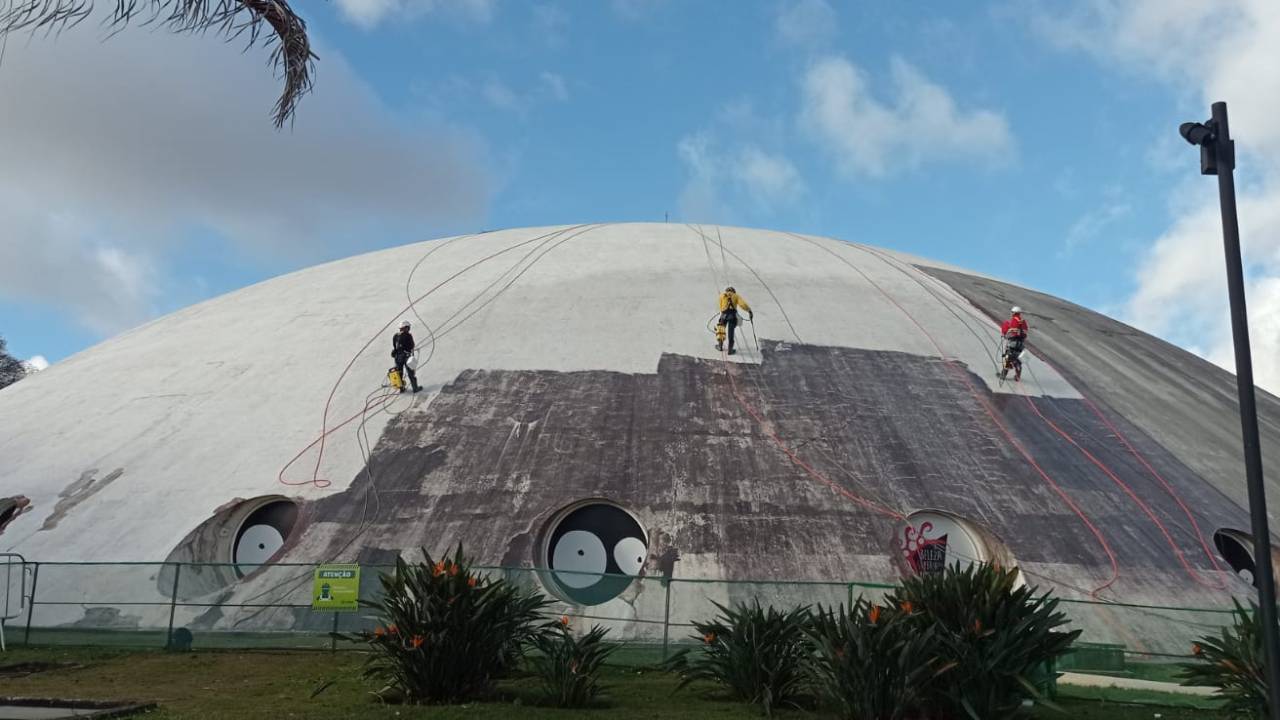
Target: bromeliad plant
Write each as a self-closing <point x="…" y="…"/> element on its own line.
<point x="444" y="633"/>
<point x="759" y="654"/>
<point x="991" y="632"/>
<point x="1233" y="664"/>
<point x="568" y="666"/>
<point x="875" y="662"/>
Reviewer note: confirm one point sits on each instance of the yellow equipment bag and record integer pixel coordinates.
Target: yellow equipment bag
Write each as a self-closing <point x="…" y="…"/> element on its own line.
<point x="397" y="382"/>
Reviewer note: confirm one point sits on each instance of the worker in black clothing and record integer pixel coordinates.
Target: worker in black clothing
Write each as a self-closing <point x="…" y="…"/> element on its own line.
<point x="401" y="351"/>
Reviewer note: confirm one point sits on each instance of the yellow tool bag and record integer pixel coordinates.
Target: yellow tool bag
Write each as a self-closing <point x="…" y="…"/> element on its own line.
<point x="393" y="376"/>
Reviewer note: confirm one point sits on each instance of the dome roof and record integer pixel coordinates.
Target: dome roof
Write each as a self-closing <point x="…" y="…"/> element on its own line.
<point x="575" y="411"/>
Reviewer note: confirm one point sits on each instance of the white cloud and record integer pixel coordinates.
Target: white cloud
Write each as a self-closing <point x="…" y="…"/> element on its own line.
<point x="1091" y="225"/>
<point x="1225" y="50"/>
<point x="500" y="95"/>
<point x="1182" y="293"/>
<point x="151" y="135"/>
<point x="769" y="180"/>
<point x="699" y="199"/>
<point x="555" y="85"/>
<point x="922" y="122"/>
<point x="371" y="13"/>
<point x="718" y="180"/>
<point x="36" y="363"/>
<point x="805" y="22"/>
<point x="1218" y="51"/>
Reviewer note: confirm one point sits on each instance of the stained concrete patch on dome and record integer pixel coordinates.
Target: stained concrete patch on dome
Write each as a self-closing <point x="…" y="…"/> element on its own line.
<point x="498" y="451"/>
<point x="85" y="487"/>
<point x="1180" y="401"/>
<point x="106" y="617"/>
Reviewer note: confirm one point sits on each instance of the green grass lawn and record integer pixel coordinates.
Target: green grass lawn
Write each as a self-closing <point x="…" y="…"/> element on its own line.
<point x="214" y="685"/>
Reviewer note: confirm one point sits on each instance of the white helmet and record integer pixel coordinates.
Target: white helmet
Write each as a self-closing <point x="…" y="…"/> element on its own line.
<point x="404" y="325"/>
<point x="1016" y="310"/>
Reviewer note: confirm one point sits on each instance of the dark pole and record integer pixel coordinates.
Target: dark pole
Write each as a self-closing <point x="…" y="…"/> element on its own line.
<point x="1223" y="161"/>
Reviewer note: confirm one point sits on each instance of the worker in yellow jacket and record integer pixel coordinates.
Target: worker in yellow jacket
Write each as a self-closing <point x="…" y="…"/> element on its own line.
<point x="730" y="303"/>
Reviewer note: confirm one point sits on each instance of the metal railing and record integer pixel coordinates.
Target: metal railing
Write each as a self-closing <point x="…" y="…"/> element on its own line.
<point x="144" y="604"/>
<point x="13" y="607"/>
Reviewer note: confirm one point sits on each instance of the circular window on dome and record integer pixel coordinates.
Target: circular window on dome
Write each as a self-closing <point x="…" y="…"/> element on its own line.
<point x="932" y="540"/>
<point x="237" y="539"/>
<point x="1236" y="547"/>
<point x="262" y="534"/>
<point x="592" y="551"/>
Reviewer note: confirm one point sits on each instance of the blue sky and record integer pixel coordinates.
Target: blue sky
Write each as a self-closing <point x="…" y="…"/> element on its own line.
<point x="1034" y="142"/>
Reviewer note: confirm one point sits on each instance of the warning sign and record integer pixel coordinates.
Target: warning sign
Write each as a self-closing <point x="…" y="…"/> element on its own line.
<point x="336" y="588"/>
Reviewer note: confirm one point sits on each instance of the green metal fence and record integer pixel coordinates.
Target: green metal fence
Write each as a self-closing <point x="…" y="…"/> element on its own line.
<point x="143" y="604"/>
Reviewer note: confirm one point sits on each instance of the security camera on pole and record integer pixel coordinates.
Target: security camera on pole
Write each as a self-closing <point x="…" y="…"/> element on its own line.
<point x="1218" y="157"/>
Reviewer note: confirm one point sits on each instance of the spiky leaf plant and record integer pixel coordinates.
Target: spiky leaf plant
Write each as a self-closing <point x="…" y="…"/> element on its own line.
<point x="995" y="631"/>
<point x="1234" y="664"/>
<point x="757" y="653"/>
<point x="873" y="662"/>
<point x="569" y="666"/>
<point x="445" y="633"/>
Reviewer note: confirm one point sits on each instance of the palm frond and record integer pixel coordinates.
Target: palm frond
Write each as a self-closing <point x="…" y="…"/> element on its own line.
<point x="291" y="55"/>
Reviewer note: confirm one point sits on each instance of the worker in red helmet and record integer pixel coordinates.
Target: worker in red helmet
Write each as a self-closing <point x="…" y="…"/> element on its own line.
<point x="1014" y="334"/>
<point x="730" y="303"/>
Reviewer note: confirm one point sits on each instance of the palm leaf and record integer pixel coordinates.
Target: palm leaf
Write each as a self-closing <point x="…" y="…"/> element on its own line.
<point x="272" y="22"/>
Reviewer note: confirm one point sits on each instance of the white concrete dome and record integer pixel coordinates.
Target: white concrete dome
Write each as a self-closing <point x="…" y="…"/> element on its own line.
<point x="576" y="363"/>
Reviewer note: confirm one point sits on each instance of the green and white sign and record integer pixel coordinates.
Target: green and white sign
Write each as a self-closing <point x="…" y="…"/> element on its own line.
<point x="336" y="588"/>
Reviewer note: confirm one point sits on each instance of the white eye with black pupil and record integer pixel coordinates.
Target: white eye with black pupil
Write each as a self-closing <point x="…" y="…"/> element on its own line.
<point x="579" y="551"/>
<point x="629" y="554"/>
<point x="258" y="543"/>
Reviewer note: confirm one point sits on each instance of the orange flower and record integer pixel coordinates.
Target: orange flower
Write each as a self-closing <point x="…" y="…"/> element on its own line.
<point x="438" y="569"/>
<point x="1196" y="649"/>
<point x="453" y="568"/>
<point x="393" y="629"/>
<point x="564" y="621"/>
<point x="907" y="607"/>
<point x="417" y="641"/>
<point x="977" y="626"/>
<point x="379" y="632"/>
<point x="709" y="638"/>
<point x="471" y="581"/>
<point x="874" y="614"/>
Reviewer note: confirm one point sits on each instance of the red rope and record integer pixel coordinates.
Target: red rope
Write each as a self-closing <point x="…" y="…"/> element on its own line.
<point x="321" y="482"/>
<point x="325" y="431"/>
<point x="782" y="445"/>
<point x="1146" y="509"/>
<point x="1133" y="451"/>
<point x="1120" y="436"/>
<point x="1106" y="547"/>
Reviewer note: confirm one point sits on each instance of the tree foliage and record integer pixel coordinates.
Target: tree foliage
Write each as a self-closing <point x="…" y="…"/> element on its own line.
<point x="11" y="368"/>
<point x="270" y="21"/>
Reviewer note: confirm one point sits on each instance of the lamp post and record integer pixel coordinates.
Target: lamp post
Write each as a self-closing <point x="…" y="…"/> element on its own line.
<point x="1218" y="157"/>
